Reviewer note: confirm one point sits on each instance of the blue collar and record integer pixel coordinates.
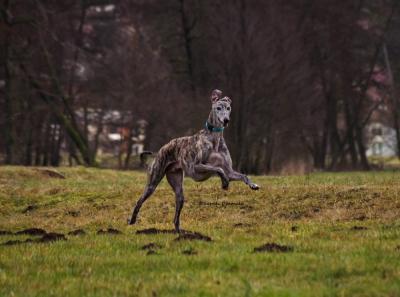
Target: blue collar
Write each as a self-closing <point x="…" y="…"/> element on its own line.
<point x="211" y="128"/>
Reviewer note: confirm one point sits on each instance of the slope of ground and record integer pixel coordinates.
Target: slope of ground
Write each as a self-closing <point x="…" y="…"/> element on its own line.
<point x="316" y="235"/>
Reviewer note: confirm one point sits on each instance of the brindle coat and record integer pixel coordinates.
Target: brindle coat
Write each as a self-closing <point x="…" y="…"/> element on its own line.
<point x="199" y="156"/>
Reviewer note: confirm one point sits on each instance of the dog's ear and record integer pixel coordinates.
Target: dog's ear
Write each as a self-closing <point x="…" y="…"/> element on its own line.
<point x="216" y="95"/>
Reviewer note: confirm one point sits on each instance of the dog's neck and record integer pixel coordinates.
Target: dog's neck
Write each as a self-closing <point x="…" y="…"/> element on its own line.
<point x="215" y="123"/>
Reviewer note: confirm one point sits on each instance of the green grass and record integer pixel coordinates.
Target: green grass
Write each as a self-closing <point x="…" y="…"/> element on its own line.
<point x="329" y="258"/>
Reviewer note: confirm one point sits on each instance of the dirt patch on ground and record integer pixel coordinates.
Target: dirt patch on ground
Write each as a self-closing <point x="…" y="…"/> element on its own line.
<point x="192" y="236"/>
<point x="155" y="231"/>
<point x="273" y="247"/>
<point x="241" y="225"/>
<point x="15" y="242"/>
<point x="50" y="173"/>
<point x="183" y="235"/>
<point x="30" y="208"/>
<point x="32" y="231"/>
<point x="4" y="232"/>
<point x="358" y="228"/>
<point x="49" y="237"/>
<point x="77" y="232"/>
<point x="73" y="213"/>
<point x="110" y="231"/>
<point x="46" y="238"/>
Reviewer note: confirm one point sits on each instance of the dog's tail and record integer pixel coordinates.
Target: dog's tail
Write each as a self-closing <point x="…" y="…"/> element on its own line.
<point x="143" y="158"/>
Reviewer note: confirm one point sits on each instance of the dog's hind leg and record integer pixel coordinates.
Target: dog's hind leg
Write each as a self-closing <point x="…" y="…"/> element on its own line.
<point x="175" y="179"/>
<point x="154" y="179"/>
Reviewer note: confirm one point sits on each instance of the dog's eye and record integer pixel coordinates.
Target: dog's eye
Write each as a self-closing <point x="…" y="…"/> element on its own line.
<point x="218" y="108"/>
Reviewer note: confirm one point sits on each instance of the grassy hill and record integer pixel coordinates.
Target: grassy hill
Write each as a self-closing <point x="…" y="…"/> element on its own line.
<point x="326" y="235"/>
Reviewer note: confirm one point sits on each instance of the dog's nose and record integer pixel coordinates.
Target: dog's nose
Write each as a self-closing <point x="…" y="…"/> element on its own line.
<point x="226" y="121"/>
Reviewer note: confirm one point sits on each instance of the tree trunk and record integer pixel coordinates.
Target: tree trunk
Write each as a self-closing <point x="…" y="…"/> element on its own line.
<point x="395" y="100"/>
<point x="8" y="126"/>
<point x="28" y="148"/>
<point x="46" y="145"/>
<point x="128" y="149"/>
<point x="65" y="118"/>
<point x="361" y="148"/>
<point x="187" y="39"/>
<point x="58" y="138"/>
<point x="99" y="130"/>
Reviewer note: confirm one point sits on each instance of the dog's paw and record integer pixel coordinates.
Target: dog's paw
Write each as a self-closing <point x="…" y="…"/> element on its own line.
<point x="225" y="185"/>
<point x="254" y="187"/>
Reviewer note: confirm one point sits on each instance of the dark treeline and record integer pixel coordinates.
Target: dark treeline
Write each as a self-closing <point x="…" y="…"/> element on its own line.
<point x="305" y="77"/>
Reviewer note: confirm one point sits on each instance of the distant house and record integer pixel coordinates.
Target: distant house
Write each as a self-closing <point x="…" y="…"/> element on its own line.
<point x="113" y="130"/>
<point x="379" y="135"/>
<point x="381" y="140"/>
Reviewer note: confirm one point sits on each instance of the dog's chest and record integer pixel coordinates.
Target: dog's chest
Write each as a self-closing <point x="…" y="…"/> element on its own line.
<point x="216" y="144"/>
<point x="204" y="147"/>
<point x="213" y="143"/>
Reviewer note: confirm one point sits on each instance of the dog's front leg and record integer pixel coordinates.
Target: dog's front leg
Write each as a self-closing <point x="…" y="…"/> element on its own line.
<point x="233" y="176"/>
<point x="226" y="162"/>
<point x="202" y="169"/>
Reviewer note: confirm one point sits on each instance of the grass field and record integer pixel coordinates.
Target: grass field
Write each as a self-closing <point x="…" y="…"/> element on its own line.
<point x="343" y="229"/>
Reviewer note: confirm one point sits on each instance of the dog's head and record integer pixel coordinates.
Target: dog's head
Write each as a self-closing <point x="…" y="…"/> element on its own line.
<point x="221" y="107"/>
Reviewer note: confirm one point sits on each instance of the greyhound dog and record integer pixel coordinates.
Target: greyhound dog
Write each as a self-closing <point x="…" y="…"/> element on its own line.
<point x="200" y="156"/>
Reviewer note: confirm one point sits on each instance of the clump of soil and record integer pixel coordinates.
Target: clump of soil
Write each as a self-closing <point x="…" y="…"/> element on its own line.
<point x="77" y="232"/>
<point x="15" y="242"/>
<point x="48" y="237"/>
<point x="155" y="231"/>
<point x="192" y="236"/>
<point x="294" y="228"/>
<point x="51" y="237"/>
<point x="50" y="173"/>
<point x="273" y="247"/>
<point x="32" y="231"/>
<point x="4" y="232"/>
<point x="151" y="246"/>
<point x="73" y="213"/>
<point x="183" y="235"/>
<point x="11" y="242"/>
<point x="359" y="228"/>
<point x="109" y="231"/>
<point x="30" y="208"/>
<point x="241" y="225"/>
